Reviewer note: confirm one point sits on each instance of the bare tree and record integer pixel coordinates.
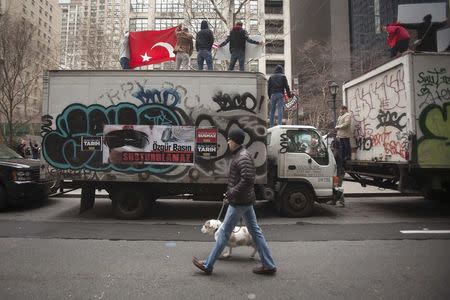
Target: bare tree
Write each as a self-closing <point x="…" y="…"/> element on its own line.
<point x="315" y="59"/>
<point x="19" y="70"/>
<point x="101" y="40"/>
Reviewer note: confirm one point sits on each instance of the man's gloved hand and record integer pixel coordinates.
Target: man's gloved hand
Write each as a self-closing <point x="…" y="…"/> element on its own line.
<point x="225" y="199"/>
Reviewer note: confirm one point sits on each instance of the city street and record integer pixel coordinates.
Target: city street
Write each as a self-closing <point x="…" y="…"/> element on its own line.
<point x="379" y="247"/>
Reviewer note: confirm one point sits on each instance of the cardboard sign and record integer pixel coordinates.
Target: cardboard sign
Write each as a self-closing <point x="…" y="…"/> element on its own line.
<point x="91" y="143"/>
<point x="206" y="139"/>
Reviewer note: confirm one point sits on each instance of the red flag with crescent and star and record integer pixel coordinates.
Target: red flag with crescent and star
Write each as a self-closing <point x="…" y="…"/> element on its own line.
<point x="151" y="46"/>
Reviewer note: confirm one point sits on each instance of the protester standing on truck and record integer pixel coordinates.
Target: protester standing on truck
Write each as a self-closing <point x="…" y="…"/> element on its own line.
<point x="426" y="33"/>
<point x="237" y="38"/>
<point x="203" y="44"/>
<point x="276" y="86"/>
<point x="241" y="197"/>
<point x="343" y="132"/>
<point x="398" y="38"/>
<point x="184" y="47"/>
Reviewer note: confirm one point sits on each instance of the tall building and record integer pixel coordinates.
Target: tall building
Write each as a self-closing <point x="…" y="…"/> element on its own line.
<point x="103" y="22"/>
<point x="45" y="15"/>
<point x="91" y="33"/>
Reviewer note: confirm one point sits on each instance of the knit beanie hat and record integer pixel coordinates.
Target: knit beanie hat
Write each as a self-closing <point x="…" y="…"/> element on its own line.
<point x="237" y="136"/>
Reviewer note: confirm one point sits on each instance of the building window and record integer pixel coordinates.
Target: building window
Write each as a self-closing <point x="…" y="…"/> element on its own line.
<point x="170" y="6"/>
<point x="204" y="6"/>
<point x="237" y="4"/>
<point x="253" y="26"/>
<point x="275" y="47"/>
<point x="271" y="64"/>
<point x="138" y="24"/>
<point x="274" y="6"/>
<point x="274" y="26"/>
<point x="166" y="23"/>
<point x="376" y="10"/>
<point x="253" y="7"/>
<point x="139" y="6"/>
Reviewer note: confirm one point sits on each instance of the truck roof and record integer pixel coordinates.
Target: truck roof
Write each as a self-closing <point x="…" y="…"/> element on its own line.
<point x="290" y="127"/>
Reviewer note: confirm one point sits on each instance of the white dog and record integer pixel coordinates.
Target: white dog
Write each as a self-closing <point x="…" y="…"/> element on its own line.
<point x="239" y="237"/>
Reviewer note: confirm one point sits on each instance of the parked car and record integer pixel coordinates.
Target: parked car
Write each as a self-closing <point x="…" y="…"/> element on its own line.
<point x="19" y="179"/>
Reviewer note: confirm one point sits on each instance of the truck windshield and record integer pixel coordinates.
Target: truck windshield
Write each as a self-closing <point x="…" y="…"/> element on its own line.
<point x="309" y="142"/>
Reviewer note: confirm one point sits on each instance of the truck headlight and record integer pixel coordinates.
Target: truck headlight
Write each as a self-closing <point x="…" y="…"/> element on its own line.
<point x="21" y="175"/>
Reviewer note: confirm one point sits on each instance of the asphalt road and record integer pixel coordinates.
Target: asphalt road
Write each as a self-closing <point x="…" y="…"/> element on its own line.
<point x="374" y="248"/>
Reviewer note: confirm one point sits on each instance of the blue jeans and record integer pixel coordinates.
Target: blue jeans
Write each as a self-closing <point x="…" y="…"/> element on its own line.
<point x="277" y="102"/>
<point x="346" y="148"/>
<point x="237" y="56"/>
<point x="232" y="217"/>
<point x="204" y="55"/>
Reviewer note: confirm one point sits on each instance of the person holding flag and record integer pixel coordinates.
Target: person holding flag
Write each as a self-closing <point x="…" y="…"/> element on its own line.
<point x="184" y="47"/>
<point x="152" y="46"/>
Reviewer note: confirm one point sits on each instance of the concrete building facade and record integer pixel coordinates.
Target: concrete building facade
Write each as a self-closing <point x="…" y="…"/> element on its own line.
<point x="45" y="15"/>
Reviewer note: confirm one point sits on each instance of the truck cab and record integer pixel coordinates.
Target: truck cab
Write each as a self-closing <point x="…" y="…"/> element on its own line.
<point x="301" y="169"/>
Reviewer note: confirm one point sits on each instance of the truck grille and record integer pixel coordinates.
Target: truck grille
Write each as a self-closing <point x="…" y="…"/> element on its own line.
<point x="34" y="173"/>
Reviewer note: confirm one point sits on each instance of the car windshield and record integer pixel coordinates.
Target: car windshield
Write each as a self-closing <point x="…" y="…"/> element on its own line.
<point x="8" y="153"/>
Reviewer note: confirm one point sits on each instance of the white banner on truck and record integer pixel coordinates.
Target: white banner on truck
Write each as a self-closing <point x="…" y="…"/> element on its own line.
<point x="252" y="51"/>
<point x="144" y="144"/>
<point x="414" y="13"/>
<point x="443" y="39"/>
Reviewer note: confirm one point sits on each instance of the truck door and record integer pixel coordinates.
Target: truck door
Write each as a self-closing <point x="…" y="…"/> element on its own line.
<point x="306" y="156"/>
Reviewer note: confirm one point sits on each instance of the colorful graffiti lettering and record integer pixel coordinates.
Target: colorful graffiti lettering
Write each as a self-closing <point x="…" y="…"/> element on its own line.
<point x="170" y="105"/>
<point x="434" y="145"/>
<point x="378" y="108"/>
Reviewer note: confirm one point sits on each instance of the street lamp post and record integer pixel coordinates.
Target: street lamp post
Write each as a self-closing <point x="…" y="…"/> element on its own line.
<point x="334" y="87"/>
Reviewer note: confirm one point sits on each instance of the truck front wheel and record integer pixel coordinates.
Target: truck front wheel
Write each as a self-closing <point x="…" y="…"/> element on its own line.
<point x="129" y="204"/>
<point x="297" y="201"/>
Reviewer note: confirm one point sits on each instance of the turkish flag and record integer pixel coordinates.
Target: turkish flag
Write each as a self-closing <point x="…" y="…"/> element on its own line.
<point x="151" y="46"/>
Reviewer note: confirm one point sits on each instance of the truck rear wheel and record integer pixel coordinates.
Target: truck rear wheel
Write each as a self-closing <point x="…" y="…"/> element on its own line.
<point x="129" y="204"/>
<point x="297" y="201"/>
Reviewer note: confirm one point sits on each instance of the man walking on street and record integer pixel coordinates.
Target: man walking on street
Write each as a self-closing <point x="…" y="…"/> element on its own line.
<point x="241" y="197"/>
<point x="237" y="38"/>
<point x="343" y="132"/>
<point x="203" y="44"/>
<point x="184" y="47"/>
<point x="275" y="89"/>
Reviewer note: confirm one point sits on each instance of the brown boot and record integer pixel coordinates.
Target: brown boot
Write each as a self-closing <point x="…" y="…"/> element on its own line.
<point x="264" y="271"/>
<point x="201" y="265"/>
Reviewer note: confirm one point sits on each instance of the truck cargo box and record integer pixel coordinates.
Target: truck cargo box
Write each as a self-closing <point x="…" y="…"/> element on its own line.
<point x="103" y="125"/>
<point x="400" y="117"/>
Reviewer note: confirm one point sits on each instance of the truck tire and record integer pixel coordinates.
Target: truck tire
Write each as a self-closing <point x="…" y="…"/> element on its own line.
<point x="3" y="201"/>
<point x="129" y="204"/>
<point x="297" y="201"/>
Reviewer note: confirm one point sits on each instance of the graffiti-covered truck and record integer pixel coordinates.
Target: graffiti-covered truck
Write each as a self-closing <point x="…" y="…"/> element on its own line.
<point x="401" y="124"/>
<point x="143" y="135"/>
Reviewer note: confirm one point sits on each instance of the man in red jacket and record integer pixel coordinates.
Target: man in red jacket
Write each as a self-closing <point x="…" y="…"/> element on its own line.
<point x="398" y="38"/>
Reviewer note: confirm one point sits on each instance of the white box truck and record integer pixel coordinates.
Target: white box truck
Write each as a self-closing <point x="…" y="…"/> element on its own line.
<point x="401" y="124"/>
<point x="142" y="135"/>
